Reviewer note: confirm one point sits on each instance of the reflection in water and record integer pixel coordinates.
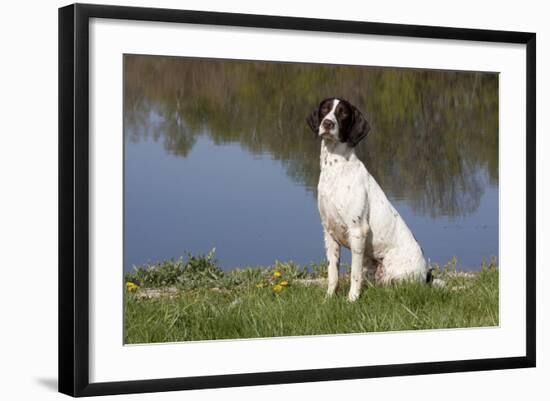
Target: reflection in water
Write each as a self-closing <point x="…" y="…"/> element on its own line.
<point x="433" y="146"/>
<point x="432" y="130"/>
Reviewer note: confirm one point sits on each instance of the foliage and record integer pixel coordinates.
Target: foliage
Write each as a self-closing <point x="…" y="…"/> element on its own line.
<point x="197" y="271"/>
<point x="276" y="301"/>
<point x="203" y="271"/>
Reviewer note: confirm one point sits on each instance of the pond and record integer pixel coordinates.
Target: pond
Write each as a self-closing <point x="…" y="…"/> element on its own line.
<point x="217" y="155"/>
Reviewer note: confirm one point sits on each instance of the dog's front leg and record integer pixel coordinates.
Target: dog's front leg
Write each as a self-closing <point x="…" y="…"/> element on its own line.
<point x="333" y="257"/>
<point x="358" y="239"/>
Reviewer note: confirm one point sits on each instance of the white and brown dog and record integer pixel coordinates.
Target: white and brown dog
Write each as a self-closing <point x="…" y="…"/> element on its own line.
<point x="354" y="210"/>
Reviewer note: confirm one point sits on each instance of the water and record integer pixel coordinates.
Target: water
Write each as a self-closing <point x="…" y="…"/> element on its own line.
<point x="219" y="160"/>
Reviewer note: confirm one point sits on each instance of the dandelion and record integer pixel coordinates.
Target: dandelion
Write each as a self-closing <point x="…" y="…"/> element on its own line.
<point x="284" y="283"/>
<point x="260" y="285"/>
<point x="131" y="286"/>
<point x="277" y="274"/>
<point x="277" y="288"/>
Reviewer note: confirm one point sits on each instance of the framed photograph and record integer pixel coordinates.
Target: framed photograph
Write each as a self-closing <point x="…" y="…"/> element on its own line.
<point x="251" y="199"/>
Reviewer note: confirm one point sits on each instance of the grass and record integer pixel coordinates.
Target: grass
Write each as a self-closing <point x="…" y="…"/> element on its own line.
<point x="196" y="300"/>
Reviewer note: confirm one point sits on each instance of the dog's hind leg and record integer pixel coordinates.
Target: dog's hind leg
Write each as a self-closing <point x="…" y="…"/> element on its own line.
<point x="333" y="257"/>
<point x="398" y="267"/>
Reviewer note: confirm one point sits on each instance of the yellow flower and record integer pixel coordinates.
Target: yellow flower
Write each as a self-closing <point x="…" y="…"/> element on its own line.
<point x="260" y="285"/>
<point x="277" y="288"/>
<point x="283" y="283"/>
<point x="131" y="286"/>
<point x="277" y="274"/>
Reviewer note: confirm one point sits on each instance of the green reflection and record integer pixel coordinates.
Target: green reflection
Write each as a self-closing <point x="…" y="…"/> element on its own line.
<point x="434" y="138"/>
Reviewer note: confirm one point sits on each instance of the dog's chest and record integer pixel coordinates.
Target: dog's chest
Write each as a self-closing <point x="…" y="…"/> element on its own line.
<point x="336" y="199"/>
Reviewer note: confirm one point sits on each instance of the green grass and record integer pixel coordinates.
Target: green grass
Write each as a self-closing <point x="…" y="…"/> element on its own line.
<point x="196" y="300"/>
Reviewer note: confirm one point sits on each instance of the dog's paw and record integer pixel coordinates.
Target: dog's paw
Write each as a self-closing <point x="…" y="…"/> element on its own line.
<point x="353" y="296"/>
<point x="329" y="296"/>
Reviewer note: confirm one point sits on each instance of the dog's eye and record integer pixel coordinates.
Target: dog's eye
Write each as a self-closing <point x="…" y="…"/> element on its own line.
<point x="342" y="113"/>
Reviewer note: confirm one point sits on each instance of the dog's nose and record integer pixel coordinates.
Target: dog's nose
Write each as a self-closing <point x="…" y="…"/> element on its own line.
<point x="328" y="124"/>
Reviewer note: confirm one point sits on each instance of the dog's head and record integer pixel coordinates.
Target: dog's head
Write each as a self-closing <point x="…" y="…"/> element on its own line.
<point x="338" y="120"/>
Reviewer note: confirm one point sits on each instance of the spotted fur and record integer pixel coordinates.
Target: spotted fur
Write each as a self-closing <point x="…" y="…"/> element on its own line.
<point x="354" y="210"/>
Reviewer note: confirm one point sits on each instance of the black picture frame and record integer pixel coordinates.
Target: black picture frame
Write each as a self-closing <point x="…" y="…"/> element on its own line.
<point x="74" y="198"/>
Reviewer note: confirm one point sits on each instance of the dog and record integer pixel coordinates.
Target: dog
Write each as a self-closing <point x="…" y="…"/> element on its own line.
<point x="354" y="210"/>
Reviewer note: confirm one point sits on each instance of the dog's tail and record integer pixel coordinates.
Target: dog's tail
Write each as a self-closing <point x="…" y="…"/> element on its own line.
<point x="434" y="282"/>
<point x="430" y="275"/>
<point x="429" y="272"/>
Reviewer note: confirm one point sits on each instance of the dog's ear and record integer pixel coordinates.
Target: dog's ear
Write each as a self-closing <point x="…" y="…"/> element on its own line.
<point x="313" y="121"/>
<point x="359" y="128"/>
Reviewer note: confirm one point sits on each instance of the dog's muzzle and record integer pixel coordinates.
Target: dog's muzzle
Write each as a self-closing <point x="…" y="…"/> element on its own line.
<point x="328" y="124"/>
